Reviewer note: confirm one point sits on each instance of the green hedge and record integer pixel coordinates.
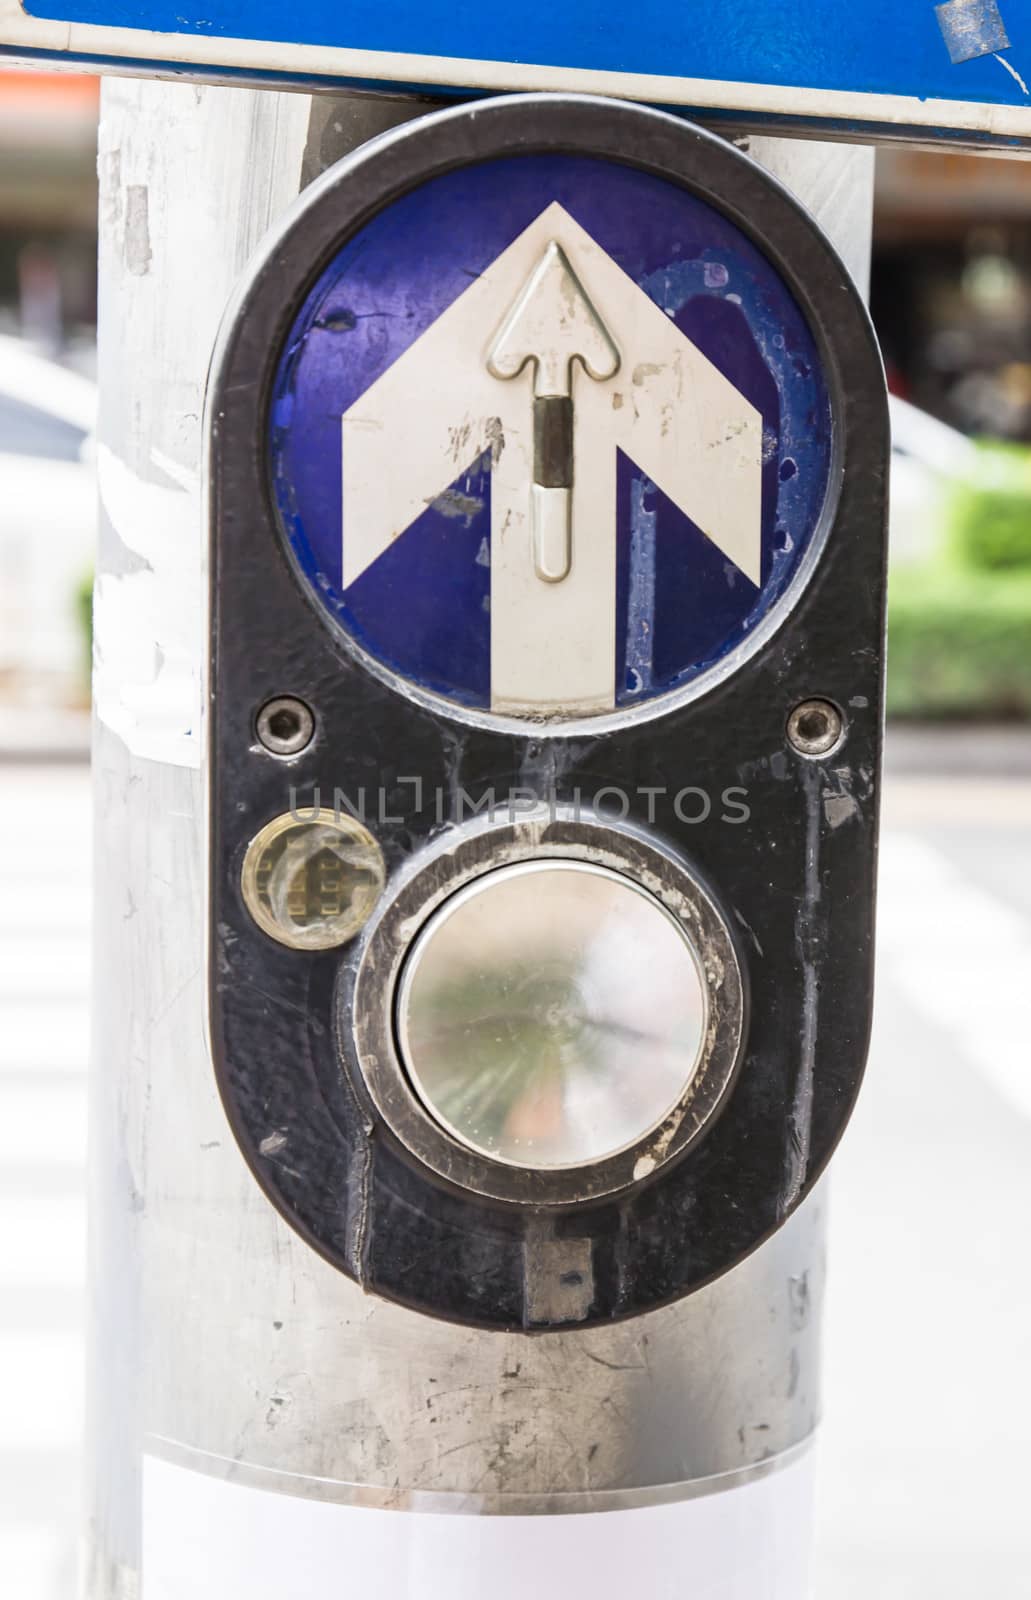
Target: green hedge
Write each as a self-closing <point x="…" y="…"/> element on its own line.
<point x="959" y="625"/>
<point x="84" y="611"/>
<point x="959" y="642"/>
<point x="991" y="511"/>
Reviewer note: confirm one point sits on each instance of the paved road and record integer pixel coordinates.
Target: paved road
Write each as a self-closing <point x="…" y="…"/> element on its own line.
<point x="927" y="1395"/>
<point x="923" y="1477"/>
<point x="44" y="1023"/>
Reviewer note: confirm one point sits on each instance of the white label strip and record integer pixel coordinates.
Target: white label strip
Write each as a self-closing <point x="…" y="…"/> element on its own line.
<point x="205" y="1539"/>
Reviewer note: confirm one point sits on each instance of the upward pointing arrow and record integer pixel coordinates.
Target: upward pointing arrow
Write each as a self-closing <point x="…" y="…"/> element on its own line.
<point x="438" y="408"/>
<point x="552" y="324"/>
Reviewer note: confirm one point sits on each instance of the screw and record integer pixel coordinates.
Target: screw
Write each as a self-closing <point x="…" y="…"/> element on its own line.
<point x="816" y="727"/>
<point x="285" y="726"/>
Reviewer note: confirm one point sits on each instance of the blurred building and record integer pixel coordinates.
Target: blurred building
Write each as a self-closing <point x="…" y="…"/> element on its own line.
<point x="951" y="297"/>
<point x="951" y="281"/>
<point x="951" y="288"/>
<point x="48" y="209"/>
<point x="48" y="308"/>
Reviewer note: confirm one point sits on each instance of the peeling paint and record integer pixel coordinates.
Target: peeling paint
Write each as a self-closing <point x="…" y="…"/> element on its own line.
<point x="148" y="621"/>
<point x="640" y="622"/>
<point x="839" y="808"/>
<point x="359" y="1181"/>
<point x="799" y="1301"/>
<point x="138" y="253"/>
<point x="559" y="1278"/>
<point x="806" y="935"/>
<point x="971" y="28"/>
<point x="453" y="503"/>
<point x="494" y="435"/>
<point x="1014" y="74"/>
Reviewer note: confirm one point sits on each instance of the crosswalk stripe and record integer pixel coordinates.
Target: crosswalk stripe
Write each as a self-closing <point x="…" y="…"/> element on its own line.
<point x="57" y="968"/>
<point x="35" y="918"/>
<point x="961" y="957"/>
<point x="38" y="1560"/>
<point x="45" y="911"/>
<point x="39" y="1036"/>
<point x="42" y="1124"/>
<point x="43" y="1407"/>
<point x="42" y="1242"/>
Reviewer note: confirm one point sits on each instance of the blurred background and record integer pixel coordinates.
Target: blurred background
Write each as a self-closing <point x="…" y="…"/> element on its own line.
<point x="928" y="1334"/>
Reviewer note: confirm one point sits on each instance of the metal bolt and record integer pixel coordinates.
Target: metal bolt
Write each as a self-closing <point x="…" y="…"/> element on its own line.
<point x="285" y="726"/>
<point x="816" y="727"/>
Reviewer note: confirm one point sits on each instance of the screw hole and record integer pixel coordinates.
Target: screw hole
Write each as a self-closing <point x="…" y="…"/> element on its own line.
<point x="812" y="725"/>
<point x="815" y="727"/>
<point x="285" y="726"/>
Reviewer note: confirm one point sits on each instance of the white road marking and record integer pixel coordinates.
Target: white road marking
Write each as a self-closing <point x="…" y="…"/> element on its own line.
<point x="42" y="1037"/>
<point x="41" y="914"/>
<point x="44" y="1242"/>
<point x="961" y="957"/>
<point x="55" y="967"/>
<point x="38" y="1561"/>
<point x="42" y="1124"/>
<point x="438" y="408"/>
<point x="44" y="860"/>
<point x="43" y="1392"/>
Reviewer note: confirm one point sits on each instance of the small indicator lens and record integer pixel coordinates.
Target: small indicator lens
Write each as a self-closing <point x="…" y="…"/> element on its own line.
<point x="551" y="1014"/>
<point x="311" y="882"/>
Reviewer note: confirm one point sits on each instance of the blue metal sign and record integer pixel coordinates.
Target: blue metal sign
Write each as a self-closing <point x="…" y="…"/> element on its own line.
<point x="550" y="436"/>
<point x="955" y="71"/>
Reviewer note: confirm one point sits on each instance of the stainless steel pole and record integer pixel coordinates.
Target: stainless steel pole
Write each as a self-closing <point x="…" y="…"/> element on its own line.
<point x="257" y="1425"/>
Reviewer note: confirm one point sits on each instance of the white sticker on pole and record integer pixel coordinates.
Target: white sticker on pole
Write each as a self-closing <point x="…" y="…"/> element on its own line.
<point x="206" y="1539"/>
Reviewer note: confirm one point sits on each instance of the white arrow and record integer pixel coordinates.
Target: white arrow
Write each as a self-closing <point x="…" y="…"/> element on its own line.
<point x="553" y="324"/>
<point x="435" y="411"/>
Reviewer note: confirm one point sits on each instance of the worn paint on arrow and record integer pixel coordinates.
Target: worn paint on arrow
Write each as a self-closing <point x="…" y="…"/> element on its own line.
<point x="406" y="469"/>
<point x="668" y="408"/>
<point x="553" y="327"/>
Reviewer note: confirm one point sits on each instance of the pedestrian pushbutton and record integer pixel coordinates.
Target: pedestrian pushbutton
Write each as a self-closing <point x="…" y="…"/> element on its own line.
<point x="552" y="1014"/>
<point x="548" y="456"/>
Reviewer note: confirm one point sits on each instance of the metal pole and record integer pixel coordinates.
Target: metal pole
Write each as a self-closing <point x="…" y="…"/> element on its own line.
<point x="257" y="1425"/>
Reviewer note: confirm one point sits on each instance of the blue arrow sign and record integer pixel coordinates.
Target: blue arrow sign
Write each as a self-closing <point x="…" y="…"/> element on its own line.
<point x="461" y="548"/>
<point x="956" y="71"/>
